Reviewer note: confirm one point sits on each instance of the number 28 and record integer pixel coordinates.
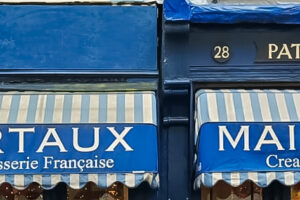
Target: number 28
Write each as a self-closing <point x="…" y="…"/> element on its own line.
<point x="221" y="52"/>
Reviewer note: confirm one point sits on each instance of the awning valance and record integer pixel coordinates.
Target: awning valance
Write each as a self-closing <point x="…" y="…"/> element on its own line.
<point x="247" y="135"/>
<point x="75" y="138"/>
<point x="262" y="179"/>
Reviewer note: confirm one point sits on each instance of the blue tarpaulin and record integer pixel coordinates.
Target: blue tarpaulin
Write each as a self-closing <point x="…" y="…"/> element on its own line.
<point x="230" y="13"/>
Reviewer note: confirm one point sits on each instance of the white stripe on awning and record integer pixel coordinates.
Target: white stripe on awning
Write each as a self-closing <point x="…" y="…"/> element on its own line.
<point x="246" y="106"/>
<point x="107" y="107"/>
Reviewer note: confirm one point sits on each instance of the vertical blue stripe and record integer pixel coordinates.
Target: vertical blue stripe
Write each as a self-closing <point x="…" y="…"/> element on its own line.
<point x="46" y="180"/>
<point x="273" y="106"/>
<point x="102" y="180"/>
<point x="208" y="180"/>
<point x="221" y="107"/>
<point x="280" y="177"/>
<point x="28" y="178"/>
<point x="103" y="108"/>
<point x="296" y="177"/>
<point x="262" y="179"/>
<point x="85" y="108"/>
<point x="243" y="176"/>
<point x="32" y="106"/>
<point x="120" y="108"/>
<point x="202" y="100"/>
<point x="67" y="108"/>
<point x="138" y="179"/>
<point x="154" y="110"/>
<point x="14" y="108"/>
<point x="154" y="183"/>
<point x="9" y="178"/>
<point x="255" y="106"/>
<point x="65" y="178"/>
<point x="121" y="178"/>
<point x="49" y="108"/>
<point x="138" y="108"/>
<point x="83" y="179"/>
<point x="290" y="104"/>
<point x="239" y="112"/>
<point x="227" y="177"/>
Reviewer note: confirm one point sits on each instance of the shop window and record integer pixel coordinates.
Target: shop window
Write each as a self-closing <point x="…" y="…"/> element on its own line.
<point x="223" y="191"/>
<point x="32" y="192"/>
<point x="277" y="191"/>
<point x="295" y="192"/>
<point x="92" y="192"/>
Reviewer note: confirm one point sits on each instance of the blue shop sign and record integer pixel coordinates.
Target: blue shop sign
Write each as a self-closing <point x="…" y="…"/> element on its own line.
<point x="242" y="146"/>
<point x="77" y="148"/>
<point x="77" y="38"/>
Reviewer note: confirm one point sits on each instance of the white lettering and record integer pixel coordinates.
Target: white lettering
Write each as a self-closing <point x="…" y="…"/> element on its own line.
<point x="45" y="142"/>
<point x="34" y="164"/>
<point x="262" y="140"/>
<point x="297" y="50"/>
<point x="292" y="137"/>
<point x="110" y="163"/>
<point x="86" y="149"/>
<point x="119" y="139"/>
<point x="0" y="139"/>
<point x="284" y="52"/>
<point x="272" y="49"/>
<point x="21" y="132"/>
<point x="47" y="161"/>
<point x="268" y="161"/>
<point x="244" y="130"/>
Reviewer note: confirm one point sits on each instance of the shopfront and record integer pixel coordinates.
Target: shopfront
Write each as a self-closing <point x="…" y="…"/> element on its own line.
<point x="243" y="136"/>
<point x="232" y="70"/>
<point x="78" y="107"/>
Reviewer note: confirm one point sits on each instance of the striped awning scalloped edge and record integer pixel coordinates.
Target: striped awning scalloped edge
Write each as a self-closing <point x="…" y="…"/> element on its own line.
<point x="77" y="181"/>
<point x="268" y="106"/>
<point x="261" y="179"/>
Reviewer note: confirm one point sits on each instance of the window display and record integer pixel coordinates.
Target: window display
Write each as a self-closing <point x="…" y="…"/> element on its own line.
<point x="295" y="192"/>
<point x="32" y="192"/>
<point x="223" y="191"/>
<point x="92" y="192"/>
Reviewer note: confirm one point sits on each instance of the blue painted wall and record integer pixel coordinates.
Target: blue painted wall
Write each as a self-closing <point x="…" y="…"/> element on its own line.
<point x="78" y="37"/>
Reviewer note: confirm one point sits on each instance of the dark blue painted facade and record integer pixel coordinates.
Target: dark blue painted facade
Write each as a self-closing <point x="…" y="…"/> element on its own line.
<point x="78" y="38"/>
<point x="188" y="53"/>
<point x="188" y="65"/>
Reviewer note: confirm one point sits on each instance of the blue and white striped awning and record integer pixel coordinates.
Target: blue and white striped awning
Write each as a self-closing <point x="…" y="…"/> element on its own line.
<point x="55" y="108"/>
<point x="246" y="106"/>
